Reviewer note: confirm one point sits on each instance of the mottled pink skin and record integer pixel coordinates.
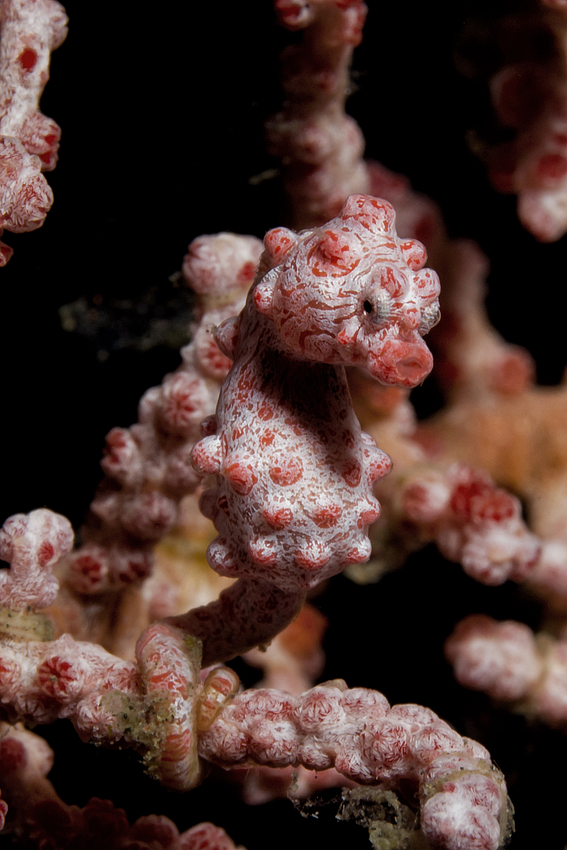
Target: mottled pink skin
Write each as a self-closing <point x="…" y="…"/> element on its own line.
<point x="462" y="796"/>
<point x="342" y="22"/>
<point x="170" y="671"/>
<point x="294" y="498"/>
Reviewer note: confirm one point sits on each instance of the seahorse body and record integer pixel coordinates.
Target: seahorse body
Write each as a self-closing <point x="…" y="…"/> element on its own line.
<point x="293" y="498"/>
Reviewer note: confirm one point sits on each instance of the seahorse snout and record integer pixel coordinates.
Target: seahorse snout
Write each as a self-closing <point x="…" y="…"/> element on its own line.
<point x="401" y="362"/>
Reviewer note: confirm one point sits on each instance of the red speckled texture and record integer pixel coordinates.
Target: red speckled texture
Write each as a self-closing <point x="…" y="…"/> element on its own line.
<point x="104" y="697"/>
<point x="294" y="470"/>
<point x="463" y="797"/>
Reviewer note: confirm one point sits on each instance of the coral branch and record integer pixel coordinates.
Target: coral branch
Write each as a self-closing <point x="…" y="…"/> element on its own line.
<point x="473" y="523"/>
<point x="320" y="147"/>
<point x="32" y="544"/>
<point x="148" y="466"/>
<point x="31" y="29"/>
<point x="512" y="665"/>
<point x="462" y="797"/>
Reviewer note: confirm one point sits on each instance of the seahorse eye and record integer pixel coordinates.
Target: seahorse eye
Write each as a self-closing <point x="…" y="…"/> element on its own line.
<point x="429" y="318"/>
<point x="377" y="306"/>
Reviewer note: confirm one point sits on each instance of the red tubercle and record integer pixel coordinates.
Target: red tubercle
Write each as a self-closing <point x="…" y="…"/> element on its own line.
<point x="262" y="554"/>
<point x="206" y="455"/>
<point x="314" y="559"/>
<point x="352" y="473"/>
<point x="414" y="253"/>
<point x="241" y="477"/>
<point x="28" y="59"/>
<point x="377" y="468"/>
<point x="13" y="755"/>
<point x="277" y="518"/>
<point x="366" y="518"/>
<point x="278" y="241"/>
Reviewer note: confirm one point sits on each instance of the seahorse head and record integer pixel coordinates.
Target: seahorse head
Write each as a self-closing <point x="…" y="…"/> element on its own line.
<point x="352" y="292"/>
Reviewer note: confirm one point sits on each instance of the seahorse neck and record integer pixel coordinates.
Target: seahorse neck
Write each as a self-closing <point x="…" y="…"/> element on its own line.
<point x="257" y="332"/>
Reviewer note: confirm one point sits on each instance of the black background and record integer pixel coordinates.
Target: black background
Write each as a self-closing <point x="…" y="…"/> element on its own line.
<point x="162" y="114"/>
